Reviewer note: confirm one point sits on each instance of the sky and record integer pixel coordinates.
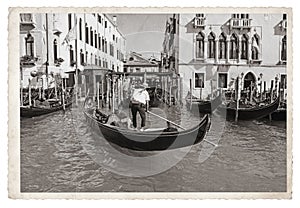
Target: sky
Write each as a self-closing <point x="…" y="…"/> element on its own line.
<point x="144" y="33"/>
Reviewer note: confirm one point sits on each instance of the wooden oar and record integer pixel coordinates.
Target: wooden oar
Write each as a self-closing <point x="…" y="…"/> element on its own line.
<point x="178" y="126"/>
<point x="166" y="120"/>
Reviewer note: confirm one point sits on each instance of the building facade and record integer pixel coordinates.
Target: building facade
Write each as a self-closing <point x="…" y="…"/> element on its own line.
<point x="215" y="49"/>
<point x="62" y="42"/>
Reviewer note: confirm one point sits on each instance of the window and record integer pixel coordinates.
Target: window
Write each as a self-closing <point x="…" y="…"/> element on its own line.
<point x="284" y="16"/>
<point x="244" y="47"/>
<point x="113" y="37"/>
<point x="55" y="50"/>
<point x="283" y="49"/>
<point x="111" y="49"/>
<point x="199" y="15"/>
<point x="200" y="45"/>
<point x="233" y="48"/>
<point x="96" y="60"/>
<point x="199" y="80"/>
<point x="103" y="44"/>
<point x="70" y="21"/>
<point x="283" y="81"/>
<point x="29" y="45"/>
<point x="99" y="61"/>
<point x="71" y="56"/>
<point x="99" y="18"/>
<point x="211" y="45"/>
<point x="81" y="57"/>
<point x="86" y="57"/>
<point x="92" y="36"/>
<point x="222" y="46"/>
<point x="91" y="58"/>
<point x="99" y="42"/>
<point x="105" y="24"/>
<point x="96" y="38"/>
<point x="86" y="34"/>
<point x="222" y="80"/>
<point x="80" y="29"/>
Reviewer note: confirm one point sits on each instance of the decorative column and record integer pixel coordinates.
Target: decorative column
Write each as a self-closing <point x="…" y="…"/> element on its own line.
<point x="227" y="50"/>
<point x="205" y="49"/>
<point x="249" y="58"/>
<point x="217" y="51"/>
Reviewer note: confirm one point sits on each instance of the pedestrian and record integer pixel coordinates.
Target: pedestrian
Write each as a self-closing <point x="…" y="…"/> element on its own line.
<point x="139" y="103"/>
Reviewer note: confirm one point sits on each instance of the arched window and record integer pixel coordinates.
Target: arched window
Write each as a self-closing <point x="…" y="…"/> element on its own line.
<point x="55" y="50"/>
<point x="211" y="46"/>
<point x="86" y="57"/>
<point x="283" y="48"/>
<point x="29" y="45"/>
<point x="200" y="45"/>
<point x="244" y="47"/>
<point x="222" y="47"/>
<point x="92" y="36"/>
<point x="91" y="58"/>
<point x="233" y="47"/>
<point x="80" y="29"/>
<point x="86" y="33"/>
<point x="96" y="60"/>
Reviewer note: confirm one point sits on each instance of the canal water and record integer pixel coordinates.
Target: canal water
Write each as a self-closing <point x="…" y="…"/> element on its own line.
<point x="60" y="153"/>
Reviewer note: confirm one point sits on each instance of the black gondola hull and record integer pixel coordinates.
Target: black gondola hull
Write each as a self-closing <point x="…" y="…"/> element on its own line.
<point x="149" y="141"/>
<point x="29" y="112"/>
<point x="204" y="106"/>
<point x="250" y="113"/>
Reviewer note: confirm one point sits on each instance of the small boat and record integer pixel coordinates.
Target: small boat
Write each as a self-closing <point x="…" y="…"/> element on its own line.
<point x="279" y="115"/>
<point x="155" y="140"/>
<point x="204" y="106"/>
<point x="31" y="111"/>
<point x="250" y="113"/>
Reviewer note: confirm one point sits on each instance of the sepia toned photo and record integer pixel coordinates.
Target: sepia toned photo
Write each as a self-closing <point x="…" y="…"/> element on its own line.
<point x="159" y="103"/>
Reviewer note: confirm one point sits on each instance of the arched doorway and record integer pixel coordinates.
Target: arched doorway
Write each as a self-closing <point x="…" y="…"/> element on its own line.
<point x="248" y="79"/>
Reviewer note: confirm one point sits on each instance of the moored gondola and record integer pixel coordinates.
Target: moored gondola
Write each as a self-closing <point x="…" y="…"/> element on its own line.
<point x="250" y="113"/>
<point x="148" y="140"/>
<point x="34" y="111"/>
<point x="203" y="106"/>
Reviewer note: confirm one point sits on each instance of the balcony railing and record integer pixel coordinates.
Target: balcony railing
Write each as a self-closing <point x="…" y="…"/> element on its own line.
<point x="199" y="22"/>
<point x="240" y="23"/>
<point x="27" y="22"/>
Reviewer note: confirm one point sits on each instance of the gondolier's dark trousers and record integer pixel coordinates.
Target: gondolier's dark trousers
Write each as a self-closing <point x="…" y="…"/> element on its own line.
<point x="141" y="109"/>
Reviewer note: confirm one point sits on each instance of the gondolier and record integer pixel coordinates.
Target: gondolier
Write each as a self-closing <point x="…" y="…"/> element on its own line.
<point x="139" y="103"/>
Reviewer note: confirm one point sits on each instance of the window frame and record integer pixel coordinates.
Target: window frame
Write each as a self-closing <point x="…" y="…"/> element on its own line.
<point x="218" y="80"/>
<point x="194" y="82"/>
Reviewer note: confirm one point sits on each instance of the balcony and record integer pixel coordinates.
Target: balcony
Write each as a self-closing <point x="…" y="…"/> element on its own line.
<point x="199" y="22"/>
<point x="28" y="61"/>
<point x="26" y="22"/>
<point x="240" y="23"/>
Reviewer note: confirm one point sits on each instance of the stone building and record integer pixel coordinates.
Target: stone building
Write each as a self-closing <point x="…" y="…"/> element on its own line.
<point x="214" y="49"/>
<point x="62" y="42"/>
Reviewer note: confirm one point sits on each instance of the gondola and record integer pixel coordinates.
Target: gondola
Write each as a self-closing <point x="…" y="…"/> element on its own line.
<point x="31" y="111"/>
<point x="250" y="113"/>
<point x="279" y="115"/>
<point x="148" y="140"/>
<point x="203" y="106"/>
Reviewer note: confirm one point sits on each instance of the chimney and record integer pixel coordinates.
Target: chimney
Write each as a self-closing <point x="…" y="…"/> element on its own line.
<point x="115" y="20"/>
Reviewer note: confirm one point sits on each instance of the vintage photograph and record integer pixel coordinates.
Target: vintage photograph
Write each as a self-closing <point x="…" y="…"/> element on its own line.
<point x="152" y="102"/>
